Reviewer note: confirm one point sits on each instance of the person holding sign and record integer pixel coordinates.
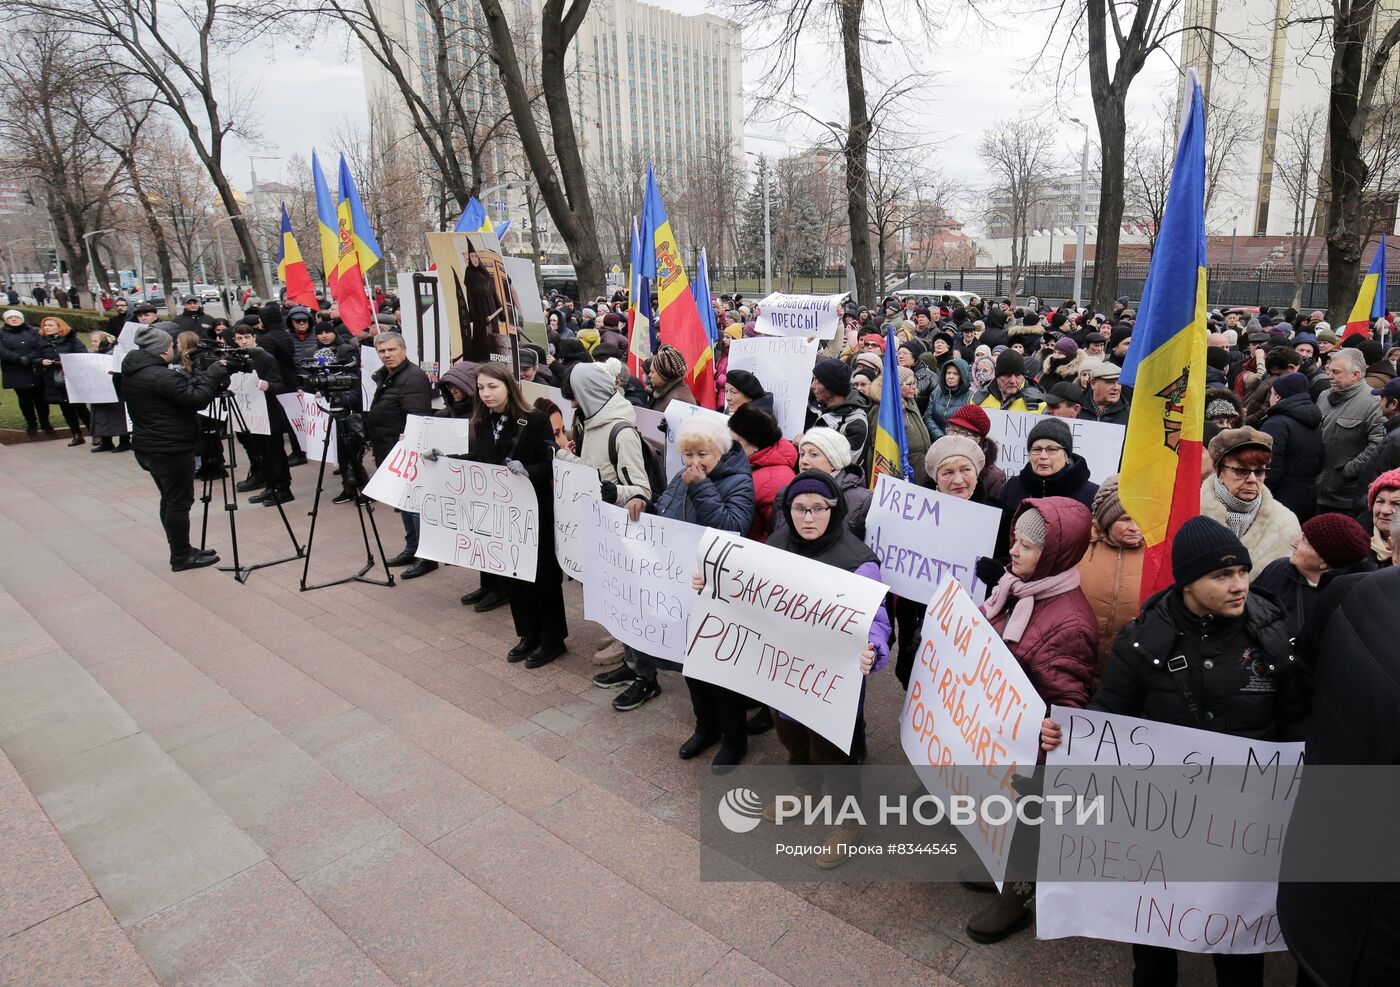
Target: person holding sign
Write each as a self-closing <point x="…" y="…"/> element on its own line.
<point x="1205" y="653"/>
<point x="508" y="432"/>
<point x="404" y="389"/>
<point x="1053" y="469"/>
<point x="57" y="337"/>
<point x="271" y="470"/>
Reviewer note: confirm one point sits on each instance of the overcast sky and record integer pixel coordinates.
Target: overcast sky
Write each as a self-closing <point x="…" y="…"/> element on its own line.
<point x="979" y="73"/>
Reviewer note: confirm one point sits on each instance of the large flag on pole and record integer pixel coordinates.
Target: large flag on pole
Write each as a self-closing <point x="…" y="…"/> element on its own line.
<point x="701" y="291"/>
<point x="326" y="224"/>
<point x="638" y="307"/>
<point x="291" y="269"/>
<point x="1160" y="483"/>
<point x="1370" y="300"/>
<point x="475" y="219"/>
<point x="367" y="250"/>
<point x="676" y="310"/>
<point x="891" y="446"/>
<point x="349" y="283"/>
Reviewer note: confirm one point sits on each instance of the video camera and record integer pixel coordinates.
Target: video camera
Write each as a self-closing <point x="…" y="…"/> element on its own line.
<point x="208" y="353"/>
<point x="323" y="375"/>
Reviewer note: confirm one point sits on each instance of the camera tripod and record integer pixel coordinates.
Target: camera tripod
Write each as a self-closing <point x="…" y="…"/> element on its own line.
<point x="350" y="427"/>
<point x="230" y="419"/>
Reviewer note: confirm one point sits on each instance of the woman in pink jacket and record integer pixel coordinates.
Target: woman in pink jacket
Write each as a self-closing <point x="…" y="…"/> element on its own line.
<point x="771" y="457"/>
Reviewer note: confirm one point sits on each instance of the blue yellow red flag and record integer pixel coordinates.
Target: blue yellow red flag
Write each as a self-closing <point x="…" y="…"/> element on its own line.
<point x="366" y="246"/>
<point x="676" y="310"/>
<point x="291" y="269"/>
<point x="701" y="291"/>
<point x="890" y="450"/>
<point x="639" y="318"/>
<point x="1160" y="481"/>
<point x="326" y="223"/>
<point x="1370" y="299"/>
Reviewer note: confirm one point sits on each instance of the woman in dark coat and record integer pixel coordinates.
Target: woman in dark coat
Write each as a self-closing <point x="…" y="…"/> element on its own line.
<point x="57" y="337"/>
<point x="1052" y="469"/>
<point x="483" y="303"/>
<point x="508" y="432"/>
<point x="1295" y="423"/>
<point x="109" y="420"/>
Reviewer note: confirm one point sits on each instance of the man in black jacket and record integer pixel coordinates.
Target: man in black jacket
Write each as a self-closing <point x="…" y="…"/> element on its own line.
<point x="163" y="405"/>
<point x="269" y="457"/>
<point x="276" y="340"/>
<point x="193" y="319"/>
<point x="404" y="389"/>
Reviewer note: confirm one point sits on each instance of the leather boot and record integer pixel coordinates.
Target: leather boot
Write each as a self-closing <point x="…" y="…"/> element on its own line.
<point x="833" y="852"/>
<point x="1010" y="911"/>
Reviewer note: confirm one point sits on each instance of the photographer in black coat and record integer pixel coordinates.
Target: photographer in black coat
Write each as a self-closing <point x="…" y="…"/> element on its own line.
<point x="276" y="340"/>
<point x="163" y="405"/>
<point x="404" y="389"/>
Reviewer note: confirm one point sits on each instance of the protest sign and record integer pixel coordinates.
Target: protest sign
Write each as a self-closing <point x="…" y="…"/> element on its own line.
<point x="126" y="342"/>
<point x="652" y="425"/>
<point x="574" y="485"/>
<point x="313" y="425"/>
<point x="919" y="535"/>
<point x="1100" y="443"/>
<point x="533" y="390"/>
<point x="87" y="378"/>
<point x="1144" y="873"/>
<point x="449" y="436"/>
<point x="799" y="315"/>
<point x="637" y="577"/>
<point x="971" y="718"/>
<point x="676" y="413"/>
<point x="369" y="363"/>
<point x="782" y="629"/>
<point x="244" y="392"/>
<point x="783" y="365"/>
<point x="397" y="481"/>
<point x="479" y="516"/>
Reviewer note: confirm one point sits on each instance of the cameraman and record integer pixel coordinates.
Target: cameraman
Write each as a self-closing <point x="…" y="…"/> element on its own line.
<point x="163" y="405"/>
<point x="270" y="469"/>
<point x="404" y="389"/>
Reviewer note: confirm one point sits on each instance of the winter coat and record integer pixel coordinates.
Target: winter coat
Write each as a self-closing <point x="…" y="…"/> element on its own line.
<point x="1072" y="482"/>
<point x="52" y="348"/>
<point x="304" y="347"/>
<point x="196" y="322"/>
<point x="773" y="469"/>
<point x="1241" y="672"/>
<point x="163" y="402"/>
<point x="629" y="472"/>
<point x="1293" y="423"/>
<point x="854" y="491"/>
<point x="943" y="402"/>
<point x="278" y="341"/>
<point x="1116" y="413"/>
<point x="675" y="390"/>
<point x="1269" y="537"/>
<point x="1347" y="933"/>
<point x="1385" y="459"/>
<point x="915" y="436"/>
<point x="724" y="499"/>
<point x="1295" y="596"/>
<point x="926" y="380"/>
<point x="1111" y="579"/>
<point x="406" y="391"/>
<point x="528" y="439"/>
<point x="993" y="477"/>
<point x="19" y="357"/>
<point x="461" y="375"/>
<point x="1026" y="399"/>
<point x="1059" y="648"/>
<point x="1350" y="425"/>
<point x="848" y="418"/>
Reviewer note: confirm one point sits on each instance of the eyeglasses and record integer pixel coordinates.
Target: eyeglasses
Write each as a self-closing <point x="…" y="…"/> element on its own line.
<point x="1046" y="450"/>
<point x="811" y="512"/>
<point x="1244" y="472"/>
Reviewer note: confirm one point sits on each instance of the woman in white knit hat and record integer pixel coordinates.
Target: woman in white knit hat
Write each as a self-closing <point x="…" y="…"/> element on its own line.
<point x="828" y="450"/>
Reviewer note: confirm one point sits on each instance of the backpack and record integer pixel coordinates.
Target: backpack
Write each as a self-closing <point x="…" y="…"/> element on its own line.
<point x="656" y="471"/>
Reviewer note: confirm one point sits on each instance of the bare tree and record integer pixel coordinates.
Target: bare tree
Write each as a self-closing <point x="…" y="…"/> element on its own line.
<point x="1017" y="156"/>
<point x="1299" y="170"/>
<point x="896" y="175"/>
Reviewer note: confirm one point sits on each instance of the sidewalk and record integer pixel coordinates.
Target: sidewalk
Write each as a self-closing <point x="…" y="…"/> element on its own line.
<point x="351" y="785"/>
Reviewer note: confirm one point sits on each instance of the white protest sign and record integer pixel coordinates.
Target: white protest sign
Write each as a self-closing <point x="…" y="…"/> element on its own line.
<point x="1200" y="818"/>
<point x="533" y="390"/>
<point x="783" y="365"/>
<point x="1100" y="443"/>
<point x="244" y="391"/>
<point x="782" y="629"/>
<point x="971" y="718"/>
<point x="652" y="426"/>
<point x="479" y="516"/>
<point x="87" y="378"/>
<point x="799" y="315"/>
<point x="449" y="436"/>
<point x="919" y="535"/>
<point x="369" y="365"/>
<point x="313" y="425"/>
<point x="396" y="481"/>
<point x="637" y="577"/>
<point x="574" y="485"/>
<point x="676" y="413"/>
<point x="126" y="342"/>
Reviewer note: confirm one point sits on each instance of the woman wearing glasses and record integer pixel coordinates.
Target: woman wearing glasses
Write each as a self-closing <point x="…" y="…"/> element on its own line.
<point x="1238" y="498"/>
<point x="1053" y="469"/>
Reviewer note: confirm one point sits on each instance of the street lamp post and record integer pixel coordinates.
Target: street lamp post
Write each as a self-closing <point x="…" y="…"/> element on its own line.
<point x="257" y="211"/>
<point x="1083" y="214"/>
<point x="92" y="261"/>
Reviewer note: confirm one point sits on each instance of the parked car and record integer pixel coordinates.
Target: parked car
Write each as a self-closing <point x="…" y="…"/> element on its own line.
<point x="207" y="292"/>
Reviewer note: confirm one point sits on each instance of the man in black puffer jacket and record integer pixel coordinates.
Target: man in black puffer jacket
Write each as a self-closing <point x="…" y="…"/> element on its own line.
<point x="163" y="404"/>
<point x="276" y="340"/>
<point x="404" y="389"/>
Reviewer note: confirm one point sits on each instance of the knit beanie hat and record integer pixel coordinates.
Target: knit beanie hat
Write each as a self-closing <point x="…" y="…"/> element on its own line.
<point x="915" y="348"/>
<point x="954" y="445"/>
<point x="669" y="362"/>
<point x="972" y="418"/>
<point x="1337" y="539"/>
<point x="153" y="339"/>
<point x="834" y="375"/>
<point x="758" y="428"/>
<point x="874" y="337"/>
<point x="906" y="377"/>
<point x="1287" y="385"/>
<point x="1106" y="506"/>
<point x="1010" y="362"/>
<point x="1030" y="526"/>
<point x="831" y="444"/>
<point x="1222" y="408"/>
<point x="1386" y="481"/>
<point x="1203" y="545"/>
<point x="871" y="361"/>
<point x="1066" y="347"/>
<point x="13" y="313"/>
<point x="745" y="383"/>
<point x="1052" y="430"/>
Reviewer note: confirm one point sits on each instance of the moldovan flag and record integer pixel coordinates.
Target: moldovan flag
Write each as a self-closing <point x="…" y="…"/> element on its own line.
<point x="1370" y="299"/>
<point x="366" y="246"/>
<point x="680" y="318"/>
<point x="326" y="223"/>
<point x="639" y="319"/>
<point x="292" y="269"/>
<point x="891" y="447"/>
<point x="349" y="282"/>
<point x="1160" y="481"/>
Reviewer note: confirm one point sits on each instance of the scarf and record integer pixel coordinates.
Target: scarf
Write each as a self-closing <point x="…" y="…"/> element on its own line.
<point x="1380" y="547"/>
<point x="1340" y="395"/>
<point x="1239" y="514"/>
<point x="1026" y="594"/>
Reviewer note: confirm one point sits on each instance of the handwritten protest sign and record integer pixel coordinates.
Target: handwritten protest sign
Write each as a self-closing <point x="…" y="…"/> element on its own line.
<point x="783" y="365"/>
<point x="781" y="629"/>
<point x="397" y="481"/>
<point x="1144" y="873"/>
<point x="574" y="485"/>
<point x="1100" y="443"/>
<point x="251" y="400"/>
<point x="87" y="378"/>
<point x="533" y="390"/>
<point x="313" y="425"/>
<point x="919" y="535"/>
<point x="479" y="516"/>
<point x="637" y="577"/>
<point x="369" y="364"/>
<point x="126" y="342"/>
<point x="676" y="414"/>
<point x="971" y="719"/>
<point x="450" y="436"/>
<point x="799" y="315"/>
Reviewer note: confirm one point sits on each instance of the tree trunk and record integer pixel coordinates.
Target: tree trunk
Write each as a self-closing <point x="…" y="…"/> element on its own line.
<point x="1112" y="132"/>
<point x="857" y="152"/>
<point x="1346" y="164"/>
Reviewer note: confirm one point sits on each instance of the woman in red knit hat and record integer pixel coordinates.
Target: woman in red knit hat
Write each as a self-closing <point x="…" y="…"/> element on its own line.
<point x="971" y="422"/>
<point x="1383" y="501"/>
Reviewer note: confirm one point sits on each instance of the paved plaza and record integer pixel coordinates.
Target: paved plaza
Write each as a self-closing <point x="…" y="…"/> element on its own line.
<point x="212" y="783"/>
